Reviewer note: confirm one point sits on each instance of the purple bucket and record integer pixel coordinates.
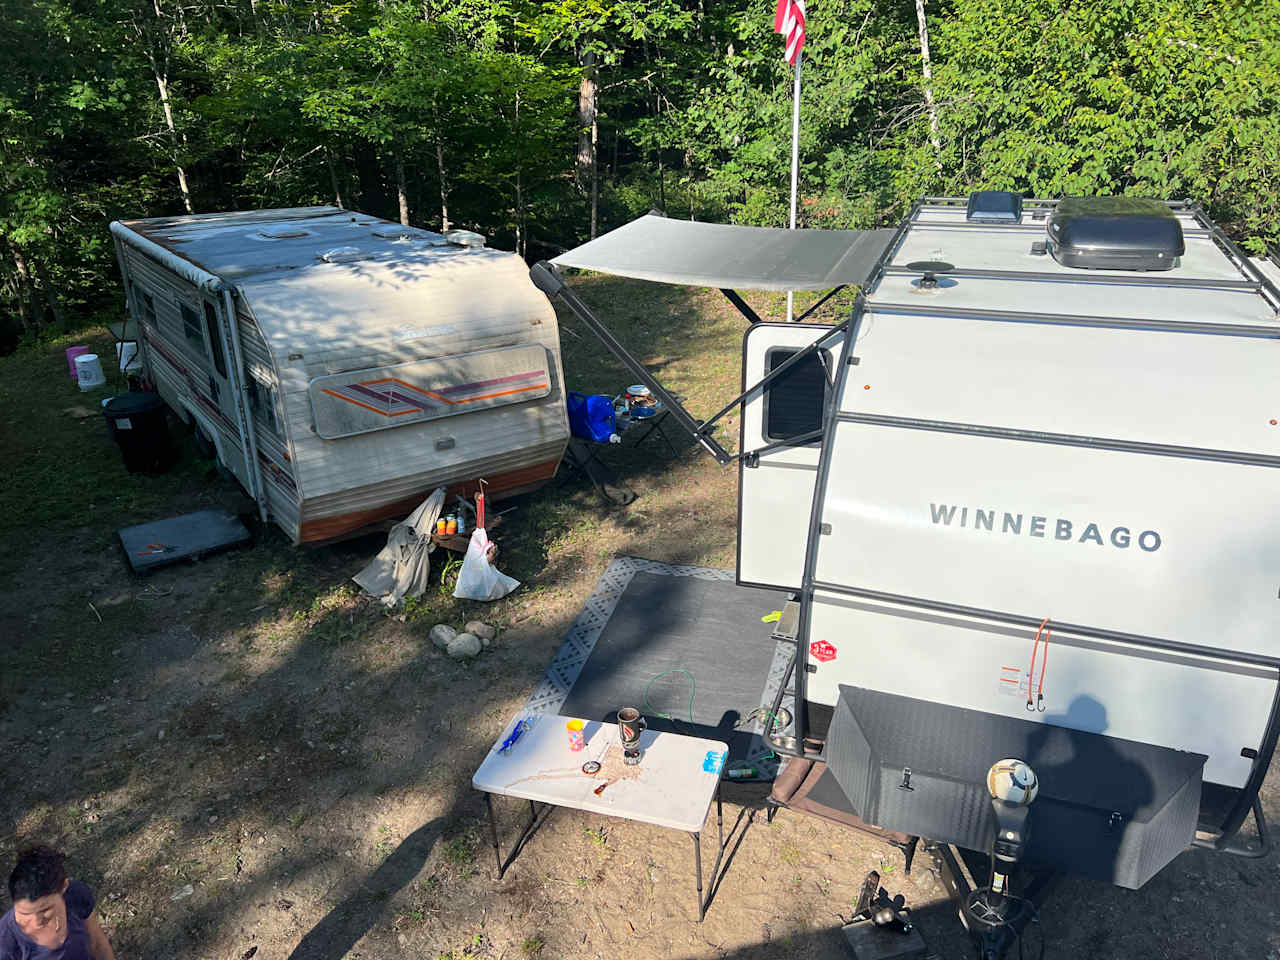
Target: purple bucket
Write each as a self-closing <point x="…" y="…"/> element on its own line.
<point x="72" y="353"/>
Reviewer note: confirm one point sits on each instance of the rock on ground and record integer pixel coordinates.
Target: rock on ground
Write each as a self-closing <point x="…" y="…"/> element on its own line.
<point x="464" y="645"/>
<point x="442" y="635"/>
<point x="481" y="629"/>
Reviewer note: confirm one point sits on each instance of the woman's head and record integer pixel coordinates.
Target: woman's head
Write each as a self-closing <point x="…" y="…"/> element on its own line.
<point x="36" y="886"/>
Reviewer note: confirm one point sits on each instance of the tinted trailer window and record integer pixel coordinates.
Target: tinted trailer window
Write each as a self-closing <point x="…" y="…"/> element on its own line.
<point x="794" y="403"/>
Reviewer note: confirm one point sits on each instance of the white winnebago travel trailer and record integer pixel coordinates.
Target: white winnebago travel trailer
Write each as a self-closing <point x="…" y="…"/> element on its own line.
<point x="1025" y="499"/>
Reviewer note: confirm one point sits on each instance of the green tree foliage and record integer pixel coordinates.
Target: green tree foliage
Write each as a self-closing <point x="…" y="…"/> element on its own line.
<point x="519" y="118"/>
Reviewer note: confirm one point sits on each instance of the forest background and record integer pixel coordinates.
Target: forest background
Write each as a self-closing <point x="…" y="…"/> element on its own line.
<point x="540" y="124"/>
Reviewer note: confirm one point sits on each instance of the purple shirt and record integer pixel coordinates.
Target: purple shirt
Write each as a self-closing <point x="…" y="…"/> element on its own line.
<point x="16" y="945"/>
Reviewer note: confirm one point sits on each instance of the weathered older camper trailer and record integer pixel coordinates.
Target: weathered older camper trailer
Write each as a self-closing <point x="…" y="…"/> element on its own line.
<point x="341" y="366"/>
<point x="1024" y="497"/>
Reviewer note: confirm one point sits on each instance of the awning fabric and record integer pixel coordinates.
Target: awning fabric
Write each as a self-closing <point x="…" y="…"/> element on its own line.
<point x="720" y="255"/>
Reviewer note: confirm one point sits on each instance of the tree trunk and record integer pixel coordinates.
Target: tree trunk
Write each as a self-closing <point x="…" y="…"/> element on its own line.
<point x="587" y="104"/>
<point x="444" y="186"/>
<point x="595" y="174"/>
<point x="333" y="178"/>
<point x="162" y="83"/>
<point x="50" y="295"/>
<point x="25" y="312"/>
<point x="401" y="190"/>
<point x="927" y="70"/>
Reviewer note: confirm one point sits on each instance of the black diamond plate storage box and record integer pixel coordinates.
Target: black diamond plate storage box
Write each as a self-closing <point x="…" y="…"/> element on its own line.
<point x="1111" y="809"/>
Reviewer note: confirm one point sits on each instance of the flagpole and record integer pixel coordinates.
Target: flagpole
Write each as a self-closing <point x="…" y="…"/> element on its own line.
<point x="795" y="167"/>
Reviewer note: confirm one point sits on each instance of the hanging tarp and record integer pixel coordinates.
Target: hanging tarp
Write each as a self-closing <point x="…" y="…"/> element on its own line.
<point x="731" y="257"/>
<point x="401" y="568"/>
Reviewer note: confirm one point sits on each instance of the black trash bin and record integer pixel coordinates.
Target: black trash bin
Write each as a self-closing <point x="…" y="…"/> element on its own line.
<point x="140" y="427"/>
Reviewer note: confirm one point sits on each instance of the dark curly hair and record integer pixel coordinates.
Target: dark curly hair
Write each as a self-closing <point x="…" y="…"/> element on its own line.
<point x="39" y="872"/>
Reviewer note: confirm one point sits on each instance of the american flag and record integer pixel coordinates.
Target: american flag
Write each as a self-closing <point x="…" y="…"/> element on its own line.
<point x="789" y="21"/>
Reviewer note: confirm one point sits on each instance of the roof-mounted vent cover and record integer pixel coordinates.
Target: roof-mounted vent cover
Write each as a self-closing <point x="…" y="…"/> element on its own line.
<point x="282" y="231"/>
<point x="994" y="206"/>
<point x="465" y="238"/>
<point x="343" y="255"/>
<point x="395" y="231"/>
<point x="1115" y="233"/>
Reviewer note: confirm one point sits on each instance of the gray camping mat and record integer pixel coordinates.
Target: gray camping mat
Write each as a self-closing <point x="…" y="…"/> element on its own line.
<point x="645" y="619"/>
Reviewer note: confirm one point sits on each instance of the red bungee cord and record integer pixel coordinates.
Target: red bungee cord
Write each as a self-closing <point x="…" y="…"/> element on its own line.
<point x="1038" y="703"/>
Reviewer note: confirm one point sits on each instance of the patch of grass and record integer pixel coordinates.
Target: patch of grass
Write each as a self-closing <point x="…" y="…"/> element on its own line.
<point x="532" y="946"/>
<point x="597" y="835"/>
<point x="583" y="882"/>
<point x="60" y="461"/>
<point x="449" y="577"/>
<point x="791" y="855"/>
<point x="460" y="850"/>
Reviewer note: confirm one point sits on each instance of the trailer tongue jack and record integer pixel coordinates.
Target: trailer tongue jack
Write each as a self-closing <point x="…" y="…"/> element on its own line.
<point x="993" y="915"/>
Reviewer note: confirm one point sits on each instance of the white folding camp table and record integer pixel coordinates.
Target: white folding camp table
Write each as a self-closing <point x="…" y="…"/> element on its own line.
<point x="672" y="786"/>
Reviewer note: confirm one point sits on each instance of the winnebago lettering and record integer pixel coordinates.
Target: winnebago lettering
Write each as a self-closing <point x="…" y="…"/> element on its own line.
<point x="996" y="521"/>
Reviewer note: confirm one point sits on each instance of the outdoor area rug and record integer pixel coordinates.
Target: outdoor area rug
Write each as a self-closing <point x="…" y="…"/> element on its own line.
<point x="683" y="644"/>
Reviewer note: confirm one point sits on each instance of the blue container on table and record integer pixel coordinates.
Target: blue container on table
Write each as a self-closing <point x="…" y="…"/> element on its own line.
<point x="591" y="417"/>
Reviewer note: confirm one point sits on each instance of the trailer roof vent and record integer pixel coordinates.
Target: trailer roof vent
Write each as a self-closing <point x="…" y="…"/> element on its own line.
<point x="283" y="231"/>
<point x="395" y="231"/>
<point x="343" y="255"/>
<point x="465" y="238"/>
<point x="1115" y="233"/>
<point x="994" y="206"/>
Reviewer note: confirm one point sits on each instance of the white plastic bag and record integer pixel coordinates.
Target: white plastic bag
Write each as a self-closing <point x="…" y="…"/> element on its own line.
<point x="479" y="579"/>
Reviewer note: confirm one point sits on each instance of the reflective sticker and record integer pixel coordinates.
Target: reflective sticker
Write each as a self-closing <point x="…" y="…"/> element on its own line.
<point x="822" y="651"/>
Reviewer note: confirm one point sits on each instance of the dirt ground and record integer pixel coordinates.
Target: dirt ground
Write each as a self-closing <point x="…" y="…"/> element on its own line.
<point x="245" y="758"/>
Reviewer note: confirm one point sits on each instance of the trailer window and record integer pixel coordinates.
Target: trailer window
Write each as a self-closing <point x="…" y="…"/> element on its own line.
<point x="795" y="402"/>
<point x="262" y="401"/>
<point x="149" y="310"/>
<point x="215" y="340"/>
<point x="191" y="326"/>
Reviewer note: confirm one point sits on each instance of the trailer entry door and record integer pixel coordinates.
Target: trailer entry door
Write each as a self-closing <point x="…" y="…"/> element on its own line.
<point x="776" y="483"/>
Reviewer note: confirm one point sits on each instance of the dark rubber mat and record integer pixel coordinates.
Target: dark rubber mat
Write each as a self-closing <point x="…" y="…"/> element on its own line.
<point x="654" y="636"/>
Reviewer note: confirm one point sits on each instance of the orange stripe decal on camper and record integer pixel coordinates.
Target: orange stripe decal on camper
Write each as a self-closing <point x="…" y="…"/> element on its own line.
<point x="393" y="397"/>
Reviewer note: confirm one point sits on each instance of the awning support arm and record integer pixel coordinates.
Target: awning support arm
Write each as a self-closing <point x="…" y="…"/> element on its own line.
<point x="744" y="308"/>
<point x="799" y="441"/>
<point x="753" y="318"/>
<point x="778" y="371"/>
<point x="547" y="279"/>
<point x="829" y="295"/>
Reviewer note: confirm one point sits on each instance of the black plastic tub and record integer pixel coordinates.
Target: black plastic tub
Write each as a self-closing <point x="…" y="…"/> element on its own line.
<point x="139" y="424"/>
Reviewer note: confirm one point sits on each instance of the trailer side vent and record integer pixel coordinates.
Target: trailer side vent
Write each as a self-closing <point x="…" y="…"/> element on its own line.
<point x="994" y="206"/>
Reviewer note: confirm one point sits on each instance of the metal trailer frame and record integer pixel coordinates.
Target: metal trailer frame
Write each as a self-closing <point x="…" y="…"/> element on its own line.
<point x="548" y="279"/>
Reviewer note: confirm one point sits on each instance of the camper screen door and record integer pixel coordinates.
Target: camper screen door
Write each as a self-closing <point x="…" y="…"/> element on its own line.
<point x="362" y="401"/>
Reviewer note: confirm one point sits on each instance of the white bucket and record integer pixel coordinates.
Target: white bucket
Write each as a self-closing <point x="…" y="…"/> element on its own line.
<point x="127" y="354"/>
<point x="89" y="372"/>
